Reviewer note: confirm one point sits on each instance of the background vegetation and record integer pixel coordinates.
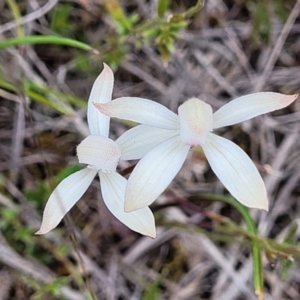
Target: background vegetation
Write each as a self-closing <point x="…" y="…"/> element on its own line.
<point x="208" y="246"/>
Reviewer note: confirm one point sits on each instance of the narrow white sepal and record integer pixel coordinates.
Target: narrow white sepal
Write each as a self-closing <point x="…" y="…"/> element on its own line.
<point x="154" y="172"/>
<point x="236" y="171"/>
<point x="63" y="198"/>
<point x="250" y="106"/>
<point x="137" y="141"/>
<point x="113" y="187"/>
<point x="140" y="110"/>
<point x="101" y="93"/>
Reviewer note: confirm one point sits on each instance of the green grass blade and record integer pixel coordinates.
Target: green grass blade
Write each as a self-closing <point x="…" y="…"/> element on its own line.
<point x="46" y="39"/>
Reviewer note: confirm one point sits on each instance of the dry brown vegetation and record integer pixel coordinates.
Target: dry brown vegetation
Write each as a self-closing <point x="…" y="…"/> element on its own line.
<point x="229" y="48"/>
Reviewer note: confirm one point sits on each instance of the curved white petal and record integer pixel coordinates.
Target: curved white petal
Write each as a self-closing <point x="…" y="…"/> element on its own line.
<point x="236" y="171"/>
<point x="99" y="152"/>
<point x="137" y="141"/>
<point x="250" y="106"/>
<point x="62" y="199"/>
<point x="154" y="172"/>
<point x="101" y="93"/>
<point x="140" y="110"/>
<point x="113" y="187"/>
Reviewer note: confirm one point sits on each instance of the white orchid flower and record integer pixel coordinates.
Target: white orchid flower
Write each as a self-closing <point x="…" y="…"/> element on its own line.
<point x="193" y="126"/>
<point x="102" y="155"/>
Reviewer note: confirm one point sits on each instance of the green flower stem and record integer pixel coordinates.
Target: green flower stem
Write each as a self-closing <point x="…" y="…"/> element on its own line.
<point x="273" y="248"/>
<point x="227" y="229"/>
<point x="46" y="39"/>
<point x="255" y="245"/>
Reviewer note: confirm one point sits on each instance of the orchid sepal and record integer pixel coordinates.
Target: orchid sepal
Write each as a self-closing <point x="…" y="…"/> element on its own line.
<point x="151" y="176"/>
<point x="64" y="197"/>
<point x="249" y="106"/>
<point x="140" y="110"/>
<point x="236" y="171"/>
<point x="101" y="93"/>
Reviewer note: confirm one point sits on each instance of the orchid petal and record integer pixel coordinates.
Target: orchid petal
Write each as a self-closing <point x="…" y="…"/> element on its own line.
<point x="250" y="106"/>
<point x="154" y="172"/>
<point x="140" y="110"/>
<point x="137" y="141"/>
<point x="64" y="197"/>
<point x="113" y="187"/>
<point x="99" y="152"/>
<point x="236" y="171"/>
<point x="101" y="93"/>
